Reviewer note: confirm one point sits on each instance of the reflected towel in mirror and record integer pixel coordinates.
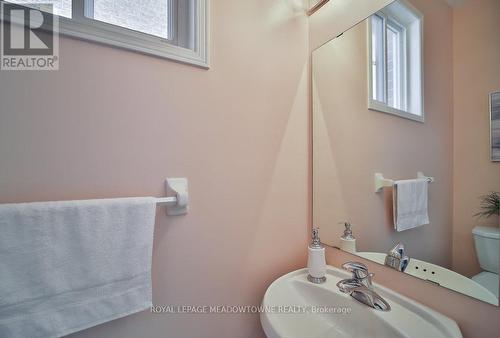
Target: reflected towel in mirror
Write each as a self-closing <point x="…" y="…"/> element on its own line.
<point x="410" y="204"/>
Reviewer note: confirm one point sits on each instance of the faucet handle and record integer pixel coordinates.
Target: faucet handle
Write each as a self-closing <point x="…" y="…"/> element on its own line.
<point x="398" y="251"/>
<point x="359" y="271"/>
<point x="397" y="259"/>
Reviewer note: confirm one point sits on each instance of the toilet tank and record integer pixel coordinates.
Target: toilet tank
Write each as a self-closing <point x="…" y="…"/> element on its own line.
<point x="487" y="243"/>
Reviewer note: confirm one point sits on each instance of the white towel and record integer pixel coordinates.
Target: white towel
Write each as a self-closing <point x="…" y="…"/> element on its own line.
<point x="410" y="204"/>
<point x="66" y="266"/>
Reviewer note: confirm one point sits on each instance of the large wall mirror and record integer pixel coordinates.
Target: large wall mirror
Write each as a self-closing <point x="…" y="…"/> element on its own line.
<point x="406" y="142"/>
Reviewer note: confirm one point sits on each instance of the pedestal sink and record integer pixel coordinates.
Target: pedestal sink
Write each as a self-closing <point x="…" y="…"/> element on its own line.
<point x="294" y="307"/>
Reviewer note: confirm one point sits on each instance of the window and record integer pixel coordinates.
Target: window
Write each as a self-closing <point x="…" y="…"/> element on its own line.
<point x="150" y="17"/>
<point x="395" y="61"/>
<point x="174" y="29"/>
<point x="59" y="7"/>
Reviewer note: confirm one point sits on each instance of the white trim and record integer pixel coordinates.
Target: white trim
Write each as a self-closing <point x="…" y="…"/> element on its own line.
<point x="382" y="107"/>
<point x="384" y="60"/>
<point x="93" y="30"/>
<point x="402" y="91"/>
<point x="421" y="18"/>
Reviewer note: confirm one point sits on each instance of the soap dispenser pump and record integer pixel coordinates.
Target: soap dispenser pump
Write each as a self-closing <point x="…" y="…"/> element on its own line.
<point x="316" y="262"/>
<point x="347" y="240"/>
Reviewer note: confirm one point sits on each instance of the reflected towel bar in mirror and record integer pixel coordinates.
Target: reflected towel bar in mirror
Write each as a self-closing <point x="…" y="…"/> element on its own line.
<point x="381" y="182"/>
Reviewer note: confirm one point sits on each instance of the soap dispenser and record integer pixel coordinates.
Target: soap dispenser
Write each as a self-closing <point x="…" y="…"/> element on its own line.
<point x="316" y="262"/>
<point x="347" y="240"/>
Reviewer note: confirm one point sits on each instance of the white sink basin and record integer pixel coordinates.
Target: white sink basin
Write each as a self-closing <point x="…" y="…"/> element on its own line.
<point x="293" y="303"/>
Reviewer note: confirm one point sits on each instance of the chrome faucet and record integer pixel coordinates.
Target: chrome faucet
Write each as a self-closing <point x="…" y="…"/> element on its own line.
<point x="397" y="259"/>
<point x="360" y="286"/>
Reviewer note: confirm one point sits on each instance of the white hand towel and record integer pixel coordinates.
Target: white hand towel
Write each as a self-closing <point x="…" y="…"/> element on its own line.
<point x="410" y="204"/>
<point x="66" y="266"/>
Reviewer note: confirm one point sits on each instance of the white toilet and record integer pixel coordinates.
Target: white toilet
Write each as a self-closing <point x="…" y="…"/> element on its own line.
<point x="487" y="242"/>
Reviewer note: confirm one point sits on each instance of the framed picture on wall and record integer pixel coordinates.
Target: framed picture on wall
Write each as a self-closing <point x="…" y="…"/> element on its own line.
<point x="495" y="125"/>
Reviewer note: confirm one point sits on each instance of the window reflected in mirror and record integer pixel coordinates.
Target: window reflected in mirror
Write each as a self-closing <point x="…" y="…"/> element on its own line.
<point x="395" y="40"/>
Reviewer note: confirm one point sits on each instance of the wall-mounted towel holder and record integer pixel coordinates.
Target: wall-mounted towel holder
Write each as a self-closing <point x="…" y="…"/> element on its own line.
<point x="178" y="204"/>
<point x="381" y="182"/>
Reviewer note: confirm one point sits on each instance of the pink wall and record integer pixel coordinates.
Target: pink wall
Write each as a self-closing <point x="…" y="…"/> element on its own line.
<point x="476" y="73"/>
<point x="351" y="143"/>
<point x="113" y="123"/>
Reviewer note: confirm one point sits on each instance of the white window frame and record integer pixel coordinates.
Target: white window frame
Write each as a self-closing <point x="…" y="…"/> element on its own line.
<point x="380" y="106"/>
<point x="197" y="41"/>
<point x="380" y="67"/>
<point x="402" y="64"/>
